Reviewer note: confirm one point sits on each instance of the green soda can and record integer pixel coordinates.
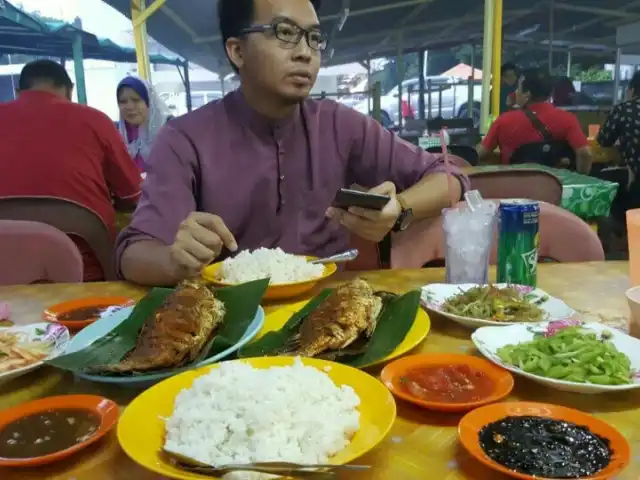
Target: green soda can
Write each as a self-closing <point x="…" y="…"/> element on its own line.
<point x="518" y="241"/>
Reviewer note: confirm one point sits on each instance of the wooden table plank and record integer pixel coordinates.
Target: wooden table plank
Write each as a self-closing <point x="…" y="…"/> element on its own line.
<point x="421" y="444"/>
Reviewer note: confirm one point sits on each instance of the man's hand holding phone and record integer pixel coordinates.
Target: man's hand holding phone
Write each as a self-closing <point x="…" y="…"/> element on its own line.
<point x="370" y="224"/>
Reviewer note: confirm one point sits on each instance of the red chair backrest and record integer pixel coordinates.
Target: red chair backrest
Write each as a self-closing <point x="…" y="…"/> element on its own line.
<point x="34" y="252"/>
<point x="70" y="217"/>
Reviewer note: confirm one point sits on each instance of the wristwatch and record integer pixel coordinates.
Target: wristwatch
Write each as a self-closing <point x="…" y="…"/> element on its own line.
<point x="405" y="218"/>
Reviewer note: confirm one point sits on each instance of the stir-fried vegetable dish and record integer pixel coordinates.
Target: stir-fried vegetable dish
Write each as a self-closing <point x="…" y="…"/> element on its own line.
<point x="489" y="302"/>
<point x="572" y="354"/>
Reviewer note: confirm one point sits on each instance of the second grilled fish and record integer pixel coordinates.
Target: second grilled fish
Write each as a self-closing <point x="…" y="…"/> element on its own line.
<point x="350" y="310"/>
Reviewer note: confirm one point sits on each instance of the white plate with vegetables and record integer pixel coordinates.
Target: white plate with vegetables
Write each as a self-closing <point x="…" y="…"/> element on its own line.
<point x="497" y="304"/>
<point x="566" y="355"/>
<point x="25" y="348"/>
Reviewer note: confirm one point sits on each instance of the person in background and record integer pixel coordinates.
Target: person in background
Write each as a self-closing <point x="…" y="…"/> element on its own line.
<point x="508" y="83"/>
<point x="261" y="167"/>
<point x="622" y="127"/>
<point x="514" y="129"/>
<point x="564" y="92"/>
<point x="142" y="114"/>
<point x="53" y="147"/>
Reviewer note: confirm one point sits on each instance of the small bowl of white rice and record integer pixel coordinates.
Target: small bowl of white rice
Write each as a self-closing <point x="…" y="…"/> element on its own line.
<point x="290" y="275"/>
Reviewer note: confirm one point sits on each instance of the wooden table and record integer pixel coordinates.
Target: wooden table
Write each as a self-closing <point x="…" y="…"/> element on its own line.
<point x="422" y="445"/>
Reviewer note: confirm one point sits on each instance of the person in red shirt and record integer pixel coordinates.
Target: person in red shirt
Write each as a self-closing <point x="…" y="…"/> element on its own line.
<point x="53" y="147"/>
<point x="514" y="128"/>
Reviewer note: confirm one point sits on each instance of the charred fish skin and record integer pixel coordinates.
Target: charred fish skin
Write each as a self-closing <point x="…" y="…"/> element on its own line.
<point x="176" y="332"/>
<point x="349" y="311"/>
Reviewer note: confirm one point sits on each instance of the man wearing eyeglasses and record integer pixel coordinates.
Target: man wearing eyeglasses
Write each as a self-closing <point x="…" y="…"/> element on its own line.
<point x="261" y="167"/>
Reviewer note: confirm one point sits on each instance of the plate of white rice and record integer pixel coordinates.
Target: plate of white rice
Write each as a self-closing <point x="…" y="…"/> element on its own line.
<point x="262" y="409"/>
<point x="290" y="275"/>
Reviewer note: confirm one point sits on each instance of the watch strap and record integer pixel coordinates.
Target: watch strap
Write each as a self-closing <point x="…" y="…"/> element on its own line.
<point x="402" y="202"/>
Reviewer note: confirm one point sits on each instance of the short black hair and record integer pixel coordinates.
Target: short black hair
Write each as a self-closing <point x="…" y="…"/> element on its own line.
<point x="41" y="72"/>
<point x="236" y="15"/>
<point x="507" y="67"/>
<point x="634" y="84"/>
<point x="538" y="83"/>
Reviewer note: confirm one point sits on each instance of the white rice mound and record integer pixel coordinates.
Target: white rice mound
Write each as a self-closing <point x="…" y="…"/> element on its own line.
<point x="237" y="414"/>
<point x="265" y="262"/>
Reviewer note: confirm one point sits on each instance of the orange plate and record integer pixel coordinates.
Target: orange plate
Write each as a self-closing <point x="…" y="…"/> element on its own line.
<point x="51" y="313"/>
<point x="473" y="422"/>
<point x="278" y="291"/>
<point x="104" y="408"/>
<point x="394" y="371"/>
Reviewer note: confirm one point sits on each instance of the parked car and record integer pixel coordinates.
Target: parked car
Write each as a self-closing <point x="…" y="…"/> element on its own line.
<point x="449" y="98"/>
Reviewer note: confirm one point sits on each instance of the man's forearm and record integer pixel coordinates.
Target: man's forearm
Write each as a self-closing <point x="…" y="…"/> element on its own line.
<point x="428" y="197"/>
<point x="149" y="263"/>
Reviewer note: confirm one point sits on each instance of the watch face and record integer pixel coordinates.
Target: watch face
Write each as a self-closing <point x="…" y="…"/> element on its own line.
<point x="406" y="218"/>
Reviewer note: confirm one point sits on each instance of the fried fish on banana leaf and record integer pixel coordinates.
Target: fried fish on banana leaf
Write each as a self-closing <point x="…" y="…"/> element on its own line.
<point x="176" y="332"/>
<point x="348" y="312"/>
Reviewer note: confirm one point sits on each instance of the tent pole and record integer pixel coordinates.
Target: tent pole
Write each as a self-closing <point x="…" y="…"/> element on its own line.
<point x="145" y="13"/>
<point x="421" y="85"/>
<point x="551" y="22"/>
<point x="616" y="77"/>
<point x="140" y="38"/>
<point x="400" y="76"/>
<point x="472" y="83"/>
<point x="486" y="66"/>
<point x="496" y="60"/>
<point x="369" y="86"/>
<point x="187" y="86"/>
<point x="78" y="63"/>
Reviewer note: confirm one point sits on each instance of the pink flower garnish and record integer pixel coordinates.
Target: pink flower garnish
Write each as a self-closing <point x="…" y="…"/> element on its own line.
<point x="557" y="325"/>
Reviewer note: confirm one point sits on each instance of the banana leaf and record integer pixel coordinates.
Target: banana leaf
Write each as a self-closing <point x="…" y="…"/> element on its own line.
<point x="241" y="303"/>
<point x="394" y="323"/>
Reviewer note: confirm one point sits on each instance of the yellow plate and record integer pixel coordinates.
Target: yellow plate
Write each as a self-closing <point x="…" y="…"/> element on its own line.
<point x="141" y="428"/>
<point x="416" y="334"/>
<point x="274" y="292"/>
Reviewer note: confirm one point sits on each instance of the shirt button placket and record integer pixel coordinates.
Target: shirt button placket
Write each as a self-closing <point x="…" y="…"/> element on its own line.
<point x="281" y="190"/>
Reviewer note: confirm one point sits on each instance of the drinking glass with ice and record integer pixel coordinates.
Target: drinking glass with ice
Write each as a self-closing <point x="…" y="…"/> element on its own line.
<point x="468" y="233"/>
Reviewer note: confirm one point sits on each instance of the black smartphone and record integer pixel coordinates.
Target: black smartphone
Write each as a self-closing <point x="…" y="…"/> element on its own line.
<point x="346" y="198"/>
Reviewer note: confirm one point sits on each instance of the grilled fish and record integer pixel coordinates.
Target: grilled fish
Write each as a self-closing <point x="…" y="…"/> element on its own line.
<point x="349" y="311"/>
<point x="176" y="332"/>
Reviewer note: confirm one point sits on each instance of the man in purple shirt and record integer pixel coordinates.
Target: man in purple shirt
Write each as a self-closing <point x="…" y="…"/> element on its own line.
<point x="262" y="166"/>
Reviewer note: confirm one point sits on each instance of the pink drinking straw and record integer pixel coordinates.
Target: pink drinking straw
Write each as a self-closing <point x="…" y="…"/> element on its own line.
<point x="453" y="198"/>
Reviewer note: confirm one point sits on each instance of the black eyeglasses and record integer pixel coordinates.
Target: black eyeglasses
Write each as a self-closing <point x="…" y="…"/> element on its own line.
<point x="290" y="34"/>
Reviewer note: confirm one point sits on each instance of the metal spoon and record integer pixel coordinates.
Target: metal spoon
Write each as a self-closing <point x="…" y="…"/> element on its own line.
<point x="277" y="468"/>
<point x="347" y="256"/>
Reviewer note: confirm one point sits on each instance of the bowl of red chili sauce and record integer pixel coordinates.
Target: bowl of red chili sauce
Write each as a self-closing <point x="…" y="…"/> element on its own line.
<point x="447" y="382"/>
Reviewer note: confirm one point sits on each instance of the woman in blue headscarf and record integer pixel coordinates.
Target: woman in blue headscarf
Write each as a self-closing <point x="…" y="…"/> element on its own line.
<point x="142" y="114"/>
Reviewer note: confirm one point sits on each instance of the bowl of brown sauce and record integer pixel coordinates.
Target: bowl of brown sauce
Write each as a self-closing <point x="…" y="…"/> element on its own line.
<point x="50" y="429"/>
<point x="77" y="314"/>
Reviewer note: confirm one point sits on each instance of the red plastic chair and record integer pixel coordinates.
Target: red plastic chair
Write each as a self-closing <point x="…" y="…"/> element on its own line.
<point x="36" y="252"/>
<point x="68" y="216"/>
<point x="564" y="237"/>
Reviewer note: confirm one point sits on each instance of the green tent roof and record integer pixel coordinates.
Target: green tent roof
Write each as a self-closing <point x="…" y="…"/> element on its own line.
<point x="21" y="33"/>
